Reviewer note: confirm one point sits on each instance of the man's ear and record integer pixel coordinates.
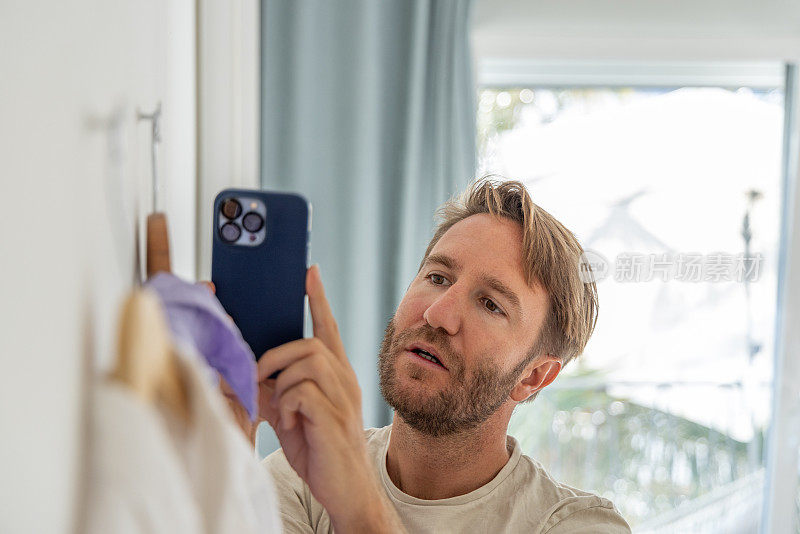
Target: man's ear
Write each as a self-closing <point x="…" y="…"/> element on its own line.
<point x="541" y="372"/>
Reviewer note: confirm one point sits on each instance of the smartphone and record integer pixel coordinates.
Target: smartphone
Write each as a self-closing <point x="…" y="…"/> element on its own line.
<point x="258" y="263"/>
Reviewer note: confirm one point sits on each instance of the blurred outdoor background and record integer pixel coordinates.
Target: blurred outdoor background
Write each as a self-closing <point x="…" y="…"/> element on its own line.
<point x="675" y="188"/>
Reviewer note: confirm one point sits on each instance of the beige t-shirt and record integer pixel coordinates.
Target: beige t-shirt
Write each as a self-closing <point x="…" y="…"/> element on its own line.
<point x="521" y="498"/>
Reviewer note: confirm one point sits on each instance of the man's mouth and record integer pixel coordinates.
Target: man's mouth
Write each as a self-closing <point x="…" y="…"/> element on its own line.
<point x="424" y="354"/>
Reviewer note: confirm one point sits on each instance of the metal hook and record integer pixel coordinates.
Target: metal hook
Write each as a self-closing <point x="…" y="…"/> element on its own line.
<point x="155" y="120"/>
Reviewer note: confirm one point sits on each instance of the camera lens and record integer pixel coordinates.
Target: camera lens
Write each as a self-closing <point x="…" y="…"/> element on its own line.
<point x="231" y="208"/>
<point x="230" y="232"/>
<point x="252" y="222"/>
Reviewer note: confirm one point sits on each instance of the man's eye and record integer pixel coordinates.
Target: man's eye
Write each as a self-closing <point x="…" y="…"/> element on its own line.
<point x="437" y="279"/>
<point x="491" y="306"/>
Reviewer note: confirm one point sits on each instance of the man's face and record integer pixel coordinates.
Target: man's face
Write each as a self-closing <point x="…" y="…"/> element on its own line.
<point x="471" y="308"/>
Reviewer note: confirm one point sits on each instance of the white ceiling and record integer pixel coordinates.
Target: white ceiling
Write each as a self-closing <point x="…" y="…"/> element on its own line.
<point x="637" y="29"/>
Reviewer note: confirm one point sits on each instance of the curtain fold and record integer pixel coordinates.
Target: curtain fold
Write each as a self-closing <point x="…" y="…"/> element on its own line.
<point x="368" y="109"/>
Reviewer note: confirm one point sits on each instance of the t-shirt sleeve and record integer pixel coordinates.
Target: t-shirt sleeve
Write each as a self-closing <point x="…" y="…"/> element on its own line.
<point x="295" y="515"/>
<point x="582" y="515"/>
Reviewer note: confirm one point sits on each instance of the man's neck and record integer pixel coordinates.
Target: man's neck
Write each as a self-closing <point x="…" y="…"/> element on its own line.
<point x="429" y="467"/>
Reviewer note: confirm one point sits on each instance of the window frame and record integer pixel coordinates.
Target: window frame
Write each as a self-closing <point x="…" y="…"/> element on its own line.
<point x="779" y="512"/>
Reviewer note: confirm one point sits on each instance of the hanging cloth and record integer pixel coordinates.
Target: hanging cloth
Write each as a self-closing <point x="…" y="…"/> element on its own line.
<point x="152" y="471"/>
<point x="198" y="320"/>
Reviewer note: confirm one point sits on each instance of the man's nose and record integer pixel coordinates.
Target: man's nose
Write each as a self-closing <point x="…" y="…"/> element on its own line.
<point x="445" y="312"/>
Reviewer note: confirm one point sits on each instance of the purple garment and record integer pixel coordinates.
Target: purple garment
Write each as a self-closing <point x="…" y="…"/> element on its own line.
<point x="198" y="319"/>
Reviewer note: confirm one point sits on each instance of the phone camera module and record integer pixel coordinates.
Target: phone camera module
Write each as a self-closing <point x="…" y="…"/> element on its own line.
<point x="230" y="232"/>
<point x="252" y="222"/>
<point x="231" y="208"/>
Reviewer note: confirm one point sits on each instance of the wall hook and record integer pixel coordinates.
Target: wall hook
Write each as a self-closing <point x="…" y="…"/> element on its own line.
<point x="155" y="129"/>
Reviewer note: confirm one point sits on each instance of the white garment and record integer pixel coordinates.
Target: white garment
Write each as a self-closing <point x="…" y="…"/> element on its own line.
<point x="522" y="497"/>
<point x="150" y="473"/>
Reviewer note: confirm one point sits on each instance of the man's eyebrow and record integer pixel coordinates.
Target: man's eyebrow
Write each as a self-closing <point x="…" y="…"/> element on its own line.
<point x="504" y="290"/>
<point x="490" y="281"/>
<point x="445" y="261"/>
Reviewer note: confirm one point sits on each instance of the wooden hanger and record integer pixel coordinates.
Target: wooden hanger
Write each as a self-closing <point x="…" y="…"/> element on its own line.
<point x="157" y="259"/>
<point x="146" y="361"/>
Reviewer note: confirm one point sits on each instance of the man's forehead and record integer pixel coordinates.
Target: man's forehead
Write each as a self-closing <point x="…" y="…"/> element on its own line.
<point x="493" y="242"/>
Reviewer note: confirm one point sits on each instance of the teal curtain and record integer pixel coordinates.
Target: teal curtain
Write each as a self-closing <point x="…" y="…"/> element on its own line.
<point x="368" y="109"/>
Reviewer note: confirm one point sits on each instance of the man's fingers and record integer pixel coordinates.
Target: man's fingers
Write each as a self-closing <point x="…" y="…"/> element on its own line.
<point x="238" y="411"/>
<point x="283" y="356"/>
<point x="325" y="327"/>
<point x="304" y="399"/>
<point x="265" y="410"/>
<point x="288" y="354"/>
<point x="316" y="369"/>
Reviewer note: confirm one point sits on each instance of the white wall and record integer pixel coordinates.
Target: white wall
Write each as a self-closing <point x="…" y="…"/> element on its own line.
<point x="74" y="181"/>
<point x="229" y="103"/>
<point x="649" y="30"/>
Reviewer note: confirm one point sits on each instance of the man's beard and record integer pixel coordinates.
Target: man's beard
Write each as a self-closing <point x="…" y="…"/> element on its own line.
<point x="463" y="405"/>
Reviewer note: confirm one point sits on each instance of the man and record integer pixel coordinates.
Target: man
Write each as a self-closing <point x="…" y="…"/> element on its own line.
<point x="495" y="312"/>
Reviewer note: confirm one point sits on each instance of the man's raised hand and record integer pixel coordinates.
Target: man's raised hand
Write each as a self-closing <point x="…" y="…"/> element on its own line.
<point x="314" y="406"/>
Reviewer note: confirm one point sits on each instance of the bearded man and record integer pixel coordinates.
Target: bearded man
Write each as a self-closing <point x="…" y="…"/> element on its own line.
<point x="495" y="312"/>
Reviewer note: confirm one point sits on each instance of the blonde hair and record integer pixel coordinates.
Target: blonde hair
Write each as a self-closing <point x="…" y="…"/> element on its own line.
<point x="551" y="257"/>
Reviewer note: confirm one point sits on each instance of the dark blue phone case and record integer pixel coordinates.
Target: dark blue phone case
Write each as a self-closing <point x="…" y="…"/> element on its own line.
<point x="263" y="287"/>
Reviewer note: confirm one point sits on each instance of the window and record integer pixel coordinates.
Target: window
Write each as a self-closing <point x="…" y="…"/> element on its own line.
<point x="674" y="192"/>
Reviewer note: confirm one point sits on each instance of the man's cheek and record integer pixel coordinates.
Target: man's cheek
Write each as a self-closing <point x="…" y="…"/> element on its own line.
<point x="410" y="312"/>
